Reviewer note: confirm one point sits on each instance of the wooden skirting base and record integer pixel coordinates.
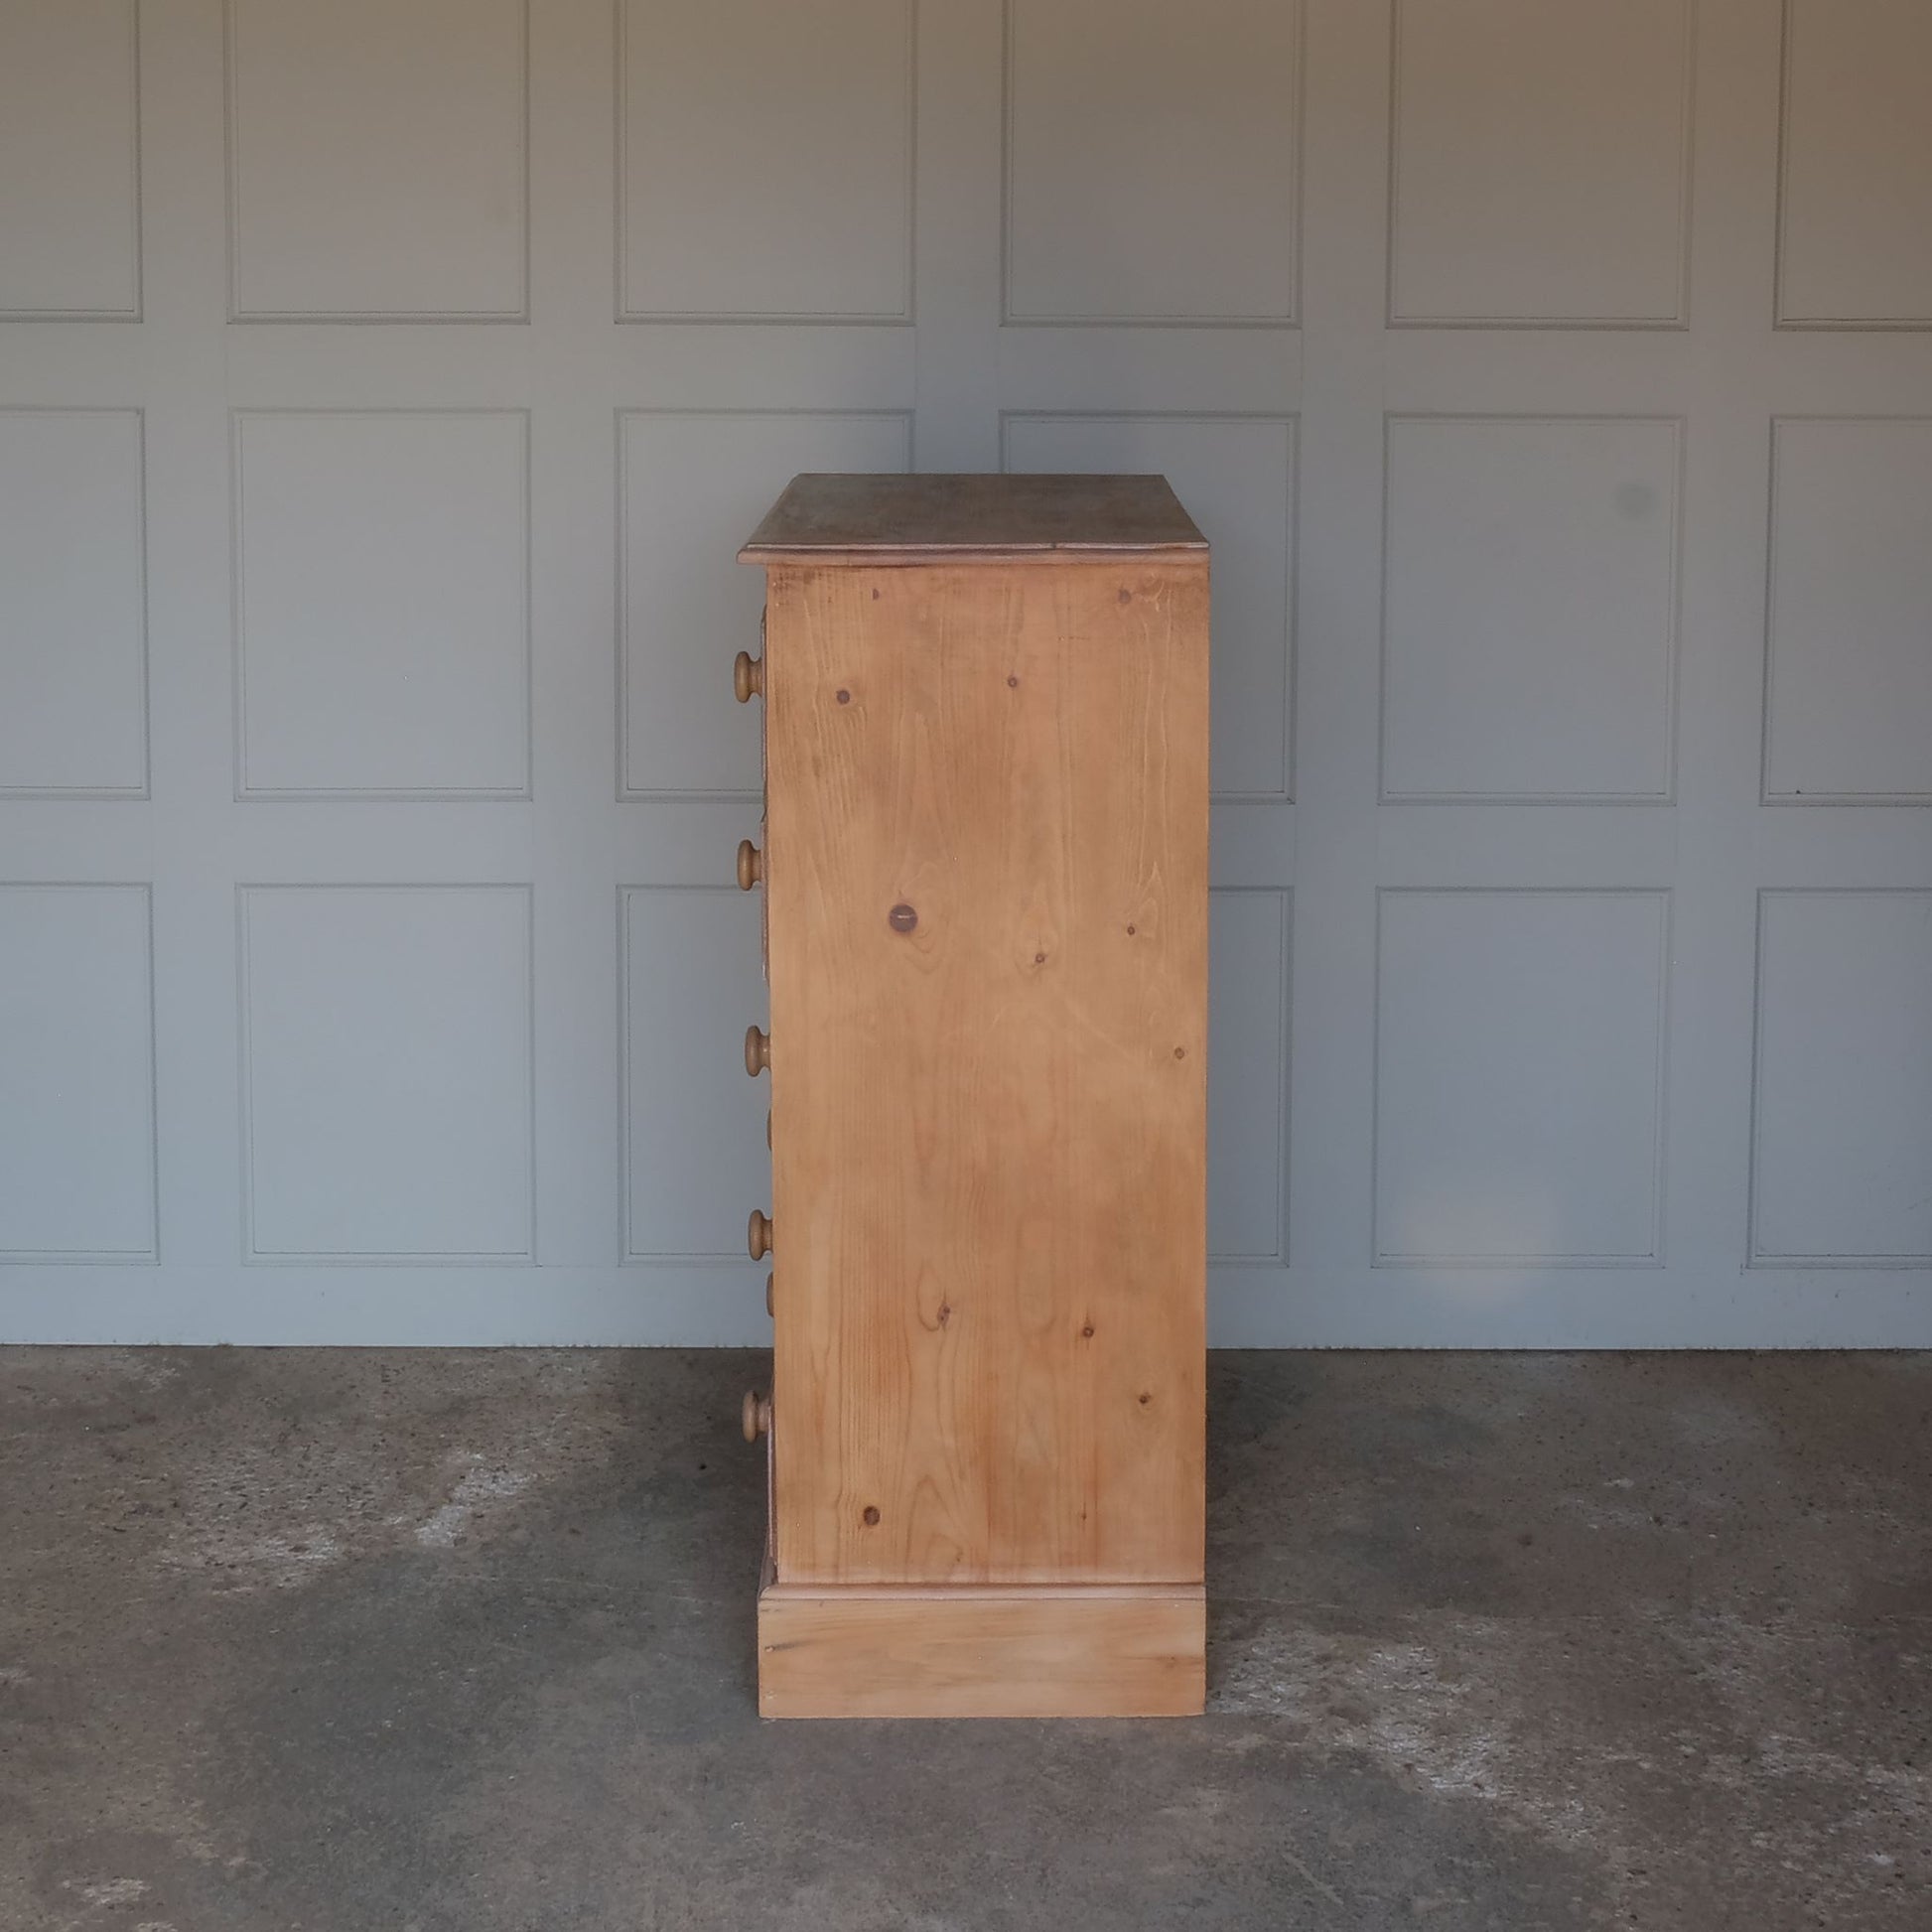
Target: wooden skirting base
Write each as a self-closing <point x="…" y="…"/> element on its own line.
<point x="1040" y="1651"/>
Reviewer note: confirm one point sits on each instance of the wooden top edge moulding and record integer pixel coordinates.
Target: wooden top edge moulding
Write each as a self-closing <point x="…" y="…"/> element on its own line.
<point x="885" y="518"/>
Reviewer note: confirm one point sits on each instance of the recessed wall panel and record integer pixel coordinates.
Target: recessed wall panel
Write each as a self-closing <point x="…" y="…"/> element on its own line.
<point x="766" y="167"/>
<point x="73" y="604"/>
<point x="1849" y="671"/>
<point x="76" y="1074"/>
<point x="1129" y="197"/>
<point x="1530" y="609"/>
<point x="1247" y="1077"/>
<point x="1855" y="206"/>
<point x="694" y="1123"/>
<point x="377" y="163"/>
<point x="70" y="160"/>
<point x="387" y="1072"/>
<point x="383" y="605"/>
<point x="1540" y="162"/>
<point x="1519" y="1078"/>
<point x="1841" y="1157"/>
<point x="692" y="487"/>
<point x="1235" y="476"/>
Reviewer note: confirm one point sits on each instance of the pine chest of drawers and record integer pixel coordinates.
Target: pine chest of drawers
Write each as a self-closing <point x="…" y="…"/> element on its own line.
<point x="985" y="869"/>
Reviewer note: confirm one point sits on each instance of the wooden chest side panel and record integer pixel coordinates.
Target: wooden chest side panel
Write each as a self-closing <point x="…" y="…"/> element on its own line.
<point x="1040" y="1652"/>
<point x="989" y="1111"/>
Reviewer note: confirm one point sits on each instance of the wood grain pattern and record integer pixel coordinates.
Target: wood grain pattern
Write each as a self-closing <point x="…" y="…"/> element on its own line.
<point x="916" y="519"/>
<point x="1041" y="1653"/>
<point x="986" y="863"/>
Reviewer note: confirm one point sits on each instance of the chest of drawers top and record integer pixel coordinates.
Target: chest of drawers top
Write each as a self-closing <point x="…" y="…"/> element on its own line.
<point x="918" y="520"/>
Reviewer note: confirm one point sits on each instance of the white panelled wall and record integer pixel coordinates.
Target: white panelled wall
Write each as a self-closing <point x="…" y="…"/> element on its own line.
<point x="385" y="386"/>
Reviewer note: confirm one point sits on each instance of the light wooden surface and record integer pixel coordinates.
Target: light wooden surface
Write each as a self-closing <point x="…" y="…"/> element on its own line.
<point x="1041" y="1653"/>
<point x="989" y="1130"/>
<point x="985" y="869"/>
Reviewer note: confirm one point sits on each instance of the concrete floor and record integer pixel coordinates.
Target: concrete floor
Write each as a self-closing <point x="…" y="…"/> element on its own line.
<point x="441" y="1643"/>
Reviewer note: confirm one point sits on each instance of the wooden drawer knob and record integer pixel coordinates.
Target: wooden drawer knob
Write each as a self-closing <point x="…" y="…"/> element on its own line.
<point x="754" y="1416"/>
<point x="757" y="1052"/>
<point x="750" y="865"/>
<point x="758" y="1234"/>
<point x="770" y="1307"/>
<point x="748" y="677"/>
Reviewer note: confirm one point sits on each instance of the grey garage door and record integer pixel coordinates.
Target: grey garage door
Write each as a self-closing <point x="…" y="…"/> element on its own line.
<point x="385" y="385"/>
